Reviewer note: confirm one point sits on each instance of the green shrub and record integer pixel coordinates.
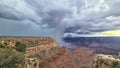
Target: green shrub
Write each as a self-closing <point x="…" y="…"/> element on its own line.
<point x="9" y="58"/>
<point x="118" y="66"/>
<point x="115" y="63"/>
<point x="20" y="47"/>
<point x="3" y="44"/>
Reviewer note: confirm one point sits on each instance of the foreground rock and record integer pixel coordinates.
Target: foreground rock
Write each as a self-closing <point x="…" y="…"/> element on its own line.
<point x="106" y="61"/>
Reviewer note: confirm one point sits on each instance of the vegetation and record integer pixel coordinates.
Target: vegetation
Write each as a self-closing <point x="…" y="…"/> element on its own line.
<point x="3" y="44"/>
<point x="116" y="64"/>
<point x="9" y="58"/>
<point x="21" y="47"/>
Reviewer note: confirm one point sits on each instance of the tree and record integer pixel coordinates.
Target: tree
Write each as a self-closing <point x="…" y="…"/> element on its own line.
<point x="21" y="47"/>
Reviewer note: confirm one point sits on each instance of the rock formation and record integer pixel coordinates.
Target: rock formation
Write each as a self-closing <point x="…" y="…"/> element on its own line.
<point x="106" y="61"/>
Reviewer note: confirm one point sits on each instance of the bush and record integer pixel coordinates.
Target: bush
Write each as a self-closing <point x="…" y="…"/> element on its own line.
<point x="3" y="44"/>
<point x="20" y="47"/>
<point x="118" y="66"/>
<point x="9" y="58"/>
<point x="115" y="63"/>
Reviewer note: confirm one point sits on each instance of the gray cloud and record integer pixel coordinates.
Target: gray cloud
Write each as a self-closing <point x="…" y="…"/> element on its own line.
<point x="10" y="13"/>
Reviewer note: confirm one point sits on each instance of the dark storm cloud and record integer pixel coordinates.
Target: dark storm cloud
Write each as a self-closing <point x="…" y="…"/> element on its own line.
<point x="10" y="13"/>
<point x="33" y="4"/>
<point x="53" y="18"/>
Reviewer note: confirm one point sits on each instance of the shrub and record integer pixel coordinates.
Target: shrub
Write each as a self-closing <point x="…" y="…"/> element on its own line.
<point x="9" y="58"/>
<point x="20" y="47"/>
<point x="118" y="66"/>
<point x="115" y="63"/>
<point x="3" y="44"/>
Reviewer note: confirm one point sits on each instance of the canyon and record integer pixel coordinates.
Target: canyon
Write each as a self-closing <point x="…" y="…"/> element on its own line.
<point x="44" y="52"/>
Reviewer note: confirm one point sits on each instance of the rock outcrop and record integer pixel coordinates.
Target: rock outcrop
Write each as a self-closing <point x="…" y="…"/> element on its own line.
<point x="106" y="61"/>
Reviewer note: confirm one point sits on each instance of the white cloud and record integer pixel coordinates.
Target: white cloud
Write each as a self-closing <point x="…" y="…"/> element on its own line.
<point x="113" y="18"/>
<point x="96" y="5"/>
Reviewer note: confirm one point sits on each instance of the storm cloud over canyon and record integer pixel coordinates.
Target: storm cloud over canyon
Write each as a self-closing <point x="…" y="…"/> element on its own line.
<point x="56" y="18"/>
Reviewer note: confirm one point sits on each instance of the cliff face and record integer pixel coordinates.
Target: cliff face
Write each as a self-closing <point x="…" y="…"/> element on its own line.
<point x="84" y="57"/>
<point x="36" y="49"/>
<point x="106" y="61"/>
<point x="61" y="57"/>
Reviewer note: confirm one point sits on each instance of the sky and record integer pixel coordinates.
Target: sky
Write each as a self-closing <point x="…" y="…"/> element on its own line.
<point x="59" y="18"/>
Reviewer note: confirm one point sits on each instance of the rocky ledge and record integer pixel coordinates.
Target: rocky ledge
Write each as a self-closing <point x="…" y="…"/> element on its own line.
<point x="106" y="61"/>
